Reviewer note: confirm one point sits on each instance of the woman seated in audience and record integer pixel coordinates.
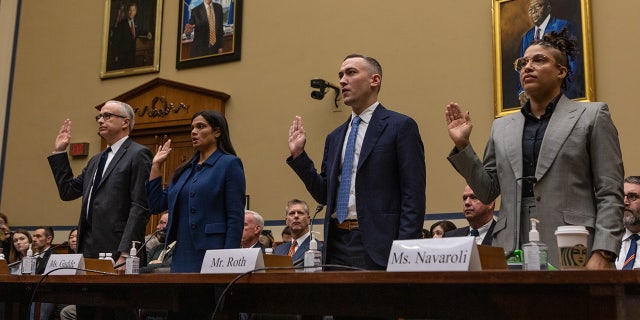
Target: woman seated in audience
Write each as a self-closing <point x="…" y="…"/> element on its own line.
<point x="439" y="228"/>
<point x="73" y="240"/>
<point x="21" y="240"/>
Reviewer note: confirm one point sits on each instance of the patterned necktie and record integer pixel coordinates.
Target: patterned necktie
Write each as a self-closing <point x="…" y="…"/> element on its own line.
<point x="292" y="250"/>
<point x="342" y="204"/>
<point x="537" y="34"/>
<point x="631" y="254"/>
<point x="96" y="182"/>
<point x="212" y="25"/>
<point x="474" y="233"/>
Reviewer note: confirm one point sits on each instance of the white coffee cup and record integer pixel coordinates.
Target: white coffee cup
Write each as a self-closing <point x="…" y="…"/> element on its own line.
<point x="572" y="247"/>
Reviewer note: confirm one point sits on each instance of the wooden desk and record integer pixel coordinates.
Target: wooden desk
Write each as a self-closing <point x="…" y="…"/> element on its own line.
<point x="449" y="295"/>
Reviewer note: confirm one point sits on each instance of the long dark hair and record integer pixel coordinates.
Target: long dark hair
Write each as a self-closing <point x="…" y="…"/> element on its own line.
<point x="215" y="119"/>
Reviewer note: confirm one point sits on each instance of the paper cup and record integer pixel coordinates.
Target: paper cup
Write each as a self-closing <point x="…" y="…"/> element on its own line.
<point x="572" y="247"/>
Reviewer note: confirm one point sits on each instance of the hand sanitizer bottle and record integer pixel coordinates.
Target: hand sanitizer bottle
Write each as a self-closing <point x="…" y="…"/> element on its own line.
<point x="535" y="252"/>
<point x="132" y="262"/>
<point x="101" y="256"/>
<point x="28" y="262"/>
<point x="313" y="257"/>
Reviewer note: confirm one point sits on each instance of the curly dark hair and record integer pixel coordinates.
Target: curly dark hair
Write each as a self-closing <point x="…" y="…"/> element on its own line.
<point x="565" y="44"/>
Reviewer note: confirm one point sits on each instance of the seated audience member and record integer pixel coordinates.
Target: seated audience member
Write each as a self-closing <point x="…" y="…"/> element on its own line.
<point x="253" y="225"/>
<point x="21" y="241"/>
<point x="479" y="216"/>
<point x="5" y="234"/>
<point x="297" y="219"/>
<point x="161" y="255"/>
<point x="426" y="234"/>
<point x="42" y="239"/>
<point x="286" y="234"/>
<point x="153" y="240"/>
<point x="267" y="242"/>
<point x="628" y="251"/>
<point x="73" y="240"/>
<point x="439" y="228"/>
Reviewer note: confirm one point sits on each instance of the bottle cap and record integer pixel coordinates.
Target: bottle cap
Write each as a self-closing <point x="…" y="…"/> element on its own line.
<point x="534" y="235"/>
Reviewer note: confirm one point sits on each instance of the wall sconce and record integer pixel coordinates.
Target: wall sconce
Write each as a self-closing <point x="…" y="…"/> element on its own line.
<point x="323" y="86"/>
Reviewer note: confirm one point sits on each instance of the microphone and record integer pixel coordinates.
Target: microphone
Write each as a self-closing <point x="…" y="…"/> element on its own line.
<point x="319" y="208"/>
<point x="141" y="247"/>
<point x="516" y="233"/>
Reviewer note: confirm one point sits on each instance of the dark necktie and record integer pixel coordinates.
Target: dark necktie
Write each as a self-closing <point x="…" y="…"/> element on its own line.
<point x="96" y="182"/>
<point x="537" y="34"/>
<point x="474" y="233"/>
<point x="342" y="204"/>
<point x="631" y="254"/>
<point x="292" y="250"/>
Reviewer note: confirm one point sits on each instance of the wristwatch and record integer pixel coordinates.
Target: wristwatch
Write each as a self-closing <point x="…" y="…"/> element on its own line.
<point x="607" y="255"/>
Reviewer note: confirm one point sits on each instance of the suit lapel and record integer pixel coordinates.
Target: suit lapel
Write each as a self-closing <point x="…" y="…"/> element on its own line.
<point x="512" y="142"/>
<point x="116" y="158"/>
<point x="560" y="126"/>
<point x="376" y="126"/>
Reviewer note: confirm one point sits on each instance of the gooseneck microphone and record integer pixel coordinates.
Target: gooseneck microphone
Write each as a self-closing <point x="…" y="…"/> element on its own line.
<point x="319" y="208"/>
<point x="516" y="216"/>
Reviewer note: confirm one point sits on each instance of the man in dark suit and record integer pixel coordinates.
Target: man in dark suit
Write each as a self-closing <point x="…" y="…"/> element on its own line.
<point x="253" y="225"/>
<point x="114" y="208"/>
<point x="479" y="216"/>
<point x="382" y="197"/>
<point x="124" y="39"/>
<point x="206" y="19"/>
<point x="298" y="220"/>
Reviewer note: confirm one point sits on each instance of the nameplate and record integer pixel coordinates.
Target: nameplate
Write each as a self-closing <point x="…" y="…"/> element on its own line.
<point x="70" y="263"/>
<point x="232" y="260"/>
<point x="444" y="254"/>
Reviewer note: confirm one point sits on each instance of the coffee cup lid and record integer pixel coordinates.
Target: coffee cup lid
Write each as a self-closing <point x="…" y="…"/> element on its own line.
<point x="571" y="230"/>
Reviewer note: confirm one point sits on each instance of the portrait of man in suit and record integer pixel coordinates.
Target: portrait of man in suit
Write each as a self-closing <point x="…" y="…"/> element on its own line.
<point x="129" y="22"/>
<point x="206" y="24"/>
<point x="517" y="23"/>
<point x="372" y="176"/>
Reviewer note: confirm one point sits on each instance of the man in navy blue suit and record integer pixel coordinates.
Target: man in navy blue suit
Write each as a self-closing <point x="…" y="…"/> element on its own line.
<point x="384" y="199"/>
<point x="298" y="220"/>
<point x="479" y="216"/>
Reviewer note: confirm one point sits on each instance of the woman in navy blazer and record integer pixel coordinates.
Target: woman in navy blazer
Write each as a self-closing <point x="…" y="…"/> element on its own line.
<point x="206" y="195"/>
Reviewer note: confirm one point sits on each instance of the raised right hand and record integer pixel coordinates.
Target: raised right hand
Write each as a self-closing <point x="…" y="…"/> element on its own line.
<point x="64" y="136"/>
<point x="459" y="125"/>
<point x="297" y="137"/>
<point x="162" y="154"/>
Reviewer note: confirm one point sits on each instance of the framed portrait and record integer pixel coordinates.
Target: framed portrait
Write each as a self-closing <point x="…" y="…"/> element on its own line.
<point x="131" y="40"/>
<point x="208" y="32"/>
<point x="515" y="25"/>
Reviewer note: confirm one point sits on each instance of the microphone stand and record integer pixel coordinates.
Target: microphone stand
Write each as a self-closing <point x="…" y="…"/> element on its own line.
<point x="318" y="209"/>
<point x="38" y="255"/>
<point x="516" y="233"/>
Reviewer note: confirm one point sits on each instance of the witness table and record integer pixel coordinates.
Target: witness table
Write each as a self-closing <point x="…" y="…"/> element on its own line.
<point x="449" y="295"/>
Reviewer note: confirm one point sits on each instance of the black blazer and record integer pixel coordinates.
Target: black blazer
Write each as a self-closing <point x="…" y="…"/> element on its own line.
<point x="120" y="211"/>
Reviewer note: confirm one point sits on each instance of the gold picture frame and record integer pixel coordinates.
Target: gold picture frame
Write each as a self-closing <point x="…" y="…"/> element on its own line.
<point x="512" y="28"/>
<point x="131" y="48"/>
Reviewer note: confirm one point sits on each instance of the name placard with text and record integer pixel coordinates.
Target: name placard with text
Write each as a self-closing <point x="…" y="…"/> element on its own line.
<point x="232" y="260"/>
<point x="443" y="254"/>
<point x="70" y="262"/>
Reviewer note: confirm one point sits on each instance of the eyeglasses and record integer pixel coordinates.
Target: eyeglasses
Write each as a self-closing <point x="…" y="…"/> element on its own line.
<point x="631" y="196"/>
<point x="106" y="116"/>
<point x="536" y="61"/>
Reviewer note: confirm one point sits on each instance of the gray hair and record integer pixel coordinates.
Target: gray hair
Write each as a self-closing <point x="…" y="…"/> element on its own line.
<point x="126" y="109"/>
<point x="257" y="216"/>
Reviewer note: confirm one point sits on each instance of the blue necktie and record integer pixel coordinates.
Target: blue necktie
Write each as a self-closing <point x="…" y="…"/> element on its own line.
<point x="631" y="254"/>
<point x="342" y="205"/>
<point x="474" y="233"/>
<point x="96" y="182"/>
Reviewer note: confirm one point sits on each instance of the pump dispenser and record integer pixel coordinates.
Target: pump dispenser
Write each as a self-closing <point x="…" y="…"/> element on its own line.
<point x="313" y="257"/>
<point x="132" y="262"/>
<point x="535" y="252"/>
<point x="28" y="262"/>
<point x="109" y="256"/>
